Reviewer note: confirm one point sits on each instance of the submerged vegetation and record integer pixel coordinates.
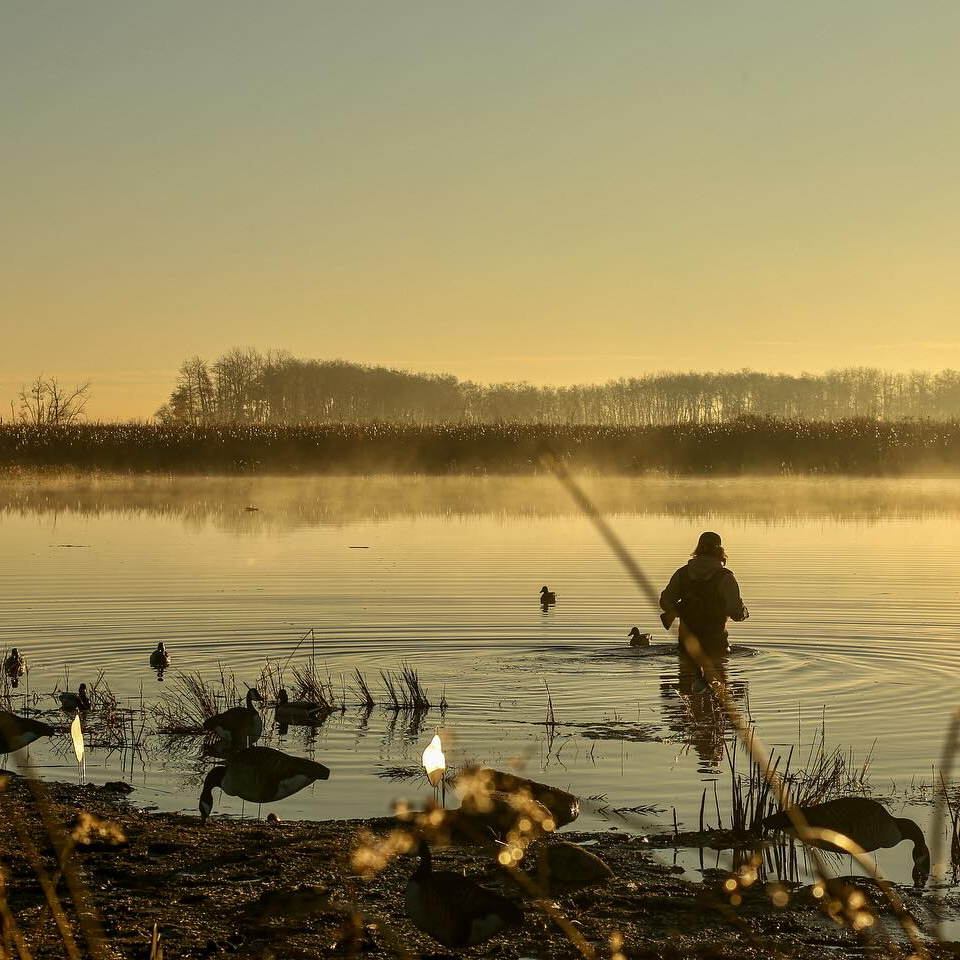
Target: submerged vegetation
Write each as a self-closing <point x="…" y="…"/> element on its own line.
<point x="746" y="445"/>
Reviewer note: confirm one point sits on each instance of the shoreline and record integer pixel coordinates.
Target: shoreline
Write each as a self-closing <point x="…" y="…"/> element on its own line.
<point x="290" y="889"/>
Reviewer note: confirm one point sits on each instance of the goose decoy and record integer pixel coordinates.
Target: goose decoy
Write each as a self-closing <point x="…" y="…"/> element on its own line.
<point x="454" y="910"/>
<point x="565" y="867"/>
<point x="75" y="701"/>
<point x="238" y="726"/>
<point x="17" y="732"/>
<point x="260" y="775"/>
<point x="14" y="667"/>
<point x="867" y="823"/>
<point x="564" y="807"/>
<point x="638" y="639"/>
<point x="297" y="711"/>
<point x="547" y="596"/>
<point x="160" y="659"/>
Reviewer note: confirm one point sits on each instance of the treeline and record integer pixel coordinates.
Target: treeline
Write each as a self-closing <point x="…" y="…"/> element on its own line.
<point x="748" y="445"/>
<point x="247" y="386"/>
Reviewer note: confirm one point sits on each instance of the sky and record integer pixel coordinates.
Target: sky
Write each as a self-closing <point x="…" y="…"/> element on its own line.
<point x="550" y="191"/>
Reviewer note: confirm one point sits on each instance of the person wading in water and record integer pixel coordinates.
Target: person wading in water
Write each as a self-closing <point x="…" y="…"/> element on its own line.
<point x="703" y="593"/>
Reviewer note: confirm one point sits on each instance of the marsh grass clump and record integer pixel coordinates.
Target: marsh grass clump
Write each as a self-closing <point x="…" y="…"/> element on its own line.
<point x="416" y="695"/>
<point x="194" y="699"/>
<point x="310" y="685"/>
<point x="362" y="690"/>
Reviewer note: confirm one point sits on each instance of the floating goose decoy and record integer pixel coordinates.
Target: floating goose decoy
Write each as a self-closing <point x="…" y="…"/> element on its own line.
<point x="638" y="639"/>
<point x="17" y="732"/>
<point x="547" y="596"/>
<point x="75" y="701"/>
<point x="260" y="775"/>
<point x="238" y="726"/>
<point x="14" y="667"/>
<point x="453" y="910"/>
<point x="564" y="807"/>
<point x="298" y="711"/>
<point x="867" y="823"/>
<point x="160" y="659"/>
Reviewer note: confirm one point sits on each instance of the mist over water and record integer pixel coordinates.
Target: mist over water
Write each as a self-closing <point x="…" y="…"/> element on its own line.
<point x="853" y="588"/>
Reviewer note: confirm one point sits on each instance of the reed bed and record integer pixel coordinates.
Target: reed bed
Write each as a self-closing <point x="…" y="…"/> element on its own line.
<point x="747" y="444"/>
<point x="193" y="699"/>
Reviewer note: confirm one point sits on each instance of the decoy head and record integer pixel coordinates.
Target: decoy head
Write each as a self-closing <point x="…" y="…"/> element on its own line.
<point x="282" y="697"/>
<point x="214" y="779"/>
<point x="160" y="648"/>
<point x="921" y="866"/>
<point x="253" y="694"/>
<point x="634" y="632"/>
<point x="544" y="590"/>
<point x="82" y="689"/>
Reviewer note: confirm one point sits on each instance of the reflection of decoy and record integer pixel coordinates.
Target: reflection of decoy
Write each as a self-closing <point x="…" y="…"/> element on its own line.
<point x="160" y="659"/>
<point x="564" y="807"/>
<point x="260" y="775"/>
<point x="14" y="667"/>
<point x="453" y="910"/>
<point x="75" y="701"/>
<point x="238" y="726"/>
<point x="638" y="639"/>
<point x="566" y="867"/>
<point x="297" y="711"/>
<point x="547" y="596"/>
<point x="867" y="823"/>
<point x="17" y="732"/>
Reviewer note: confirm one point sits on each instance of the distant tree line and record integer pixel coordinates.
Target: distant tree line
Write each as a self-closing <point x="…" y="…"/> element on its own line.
<point x="247" y="386"/>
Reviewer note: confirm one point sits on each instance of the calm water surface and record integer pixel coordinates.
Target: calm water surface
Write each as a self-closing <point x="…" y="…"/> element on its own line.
<point x="853" y="587"/>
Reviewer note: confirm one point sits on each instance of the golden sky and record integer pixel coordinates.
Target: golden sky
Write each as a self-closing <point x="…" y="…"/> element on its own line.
<point x="548" y="190"/>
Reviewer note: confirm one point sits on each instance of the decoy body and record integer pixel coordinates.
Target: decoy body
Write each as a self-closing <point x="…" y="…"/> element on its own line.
<point x="564" y="807"/>
<point x="453" y="910"/>
<point x="14" y="666"/>
<point x="75" y="701"/>
<point x="238" y="726"/>
<point x="565" y="866"/>
<point x="17" y="732"/>
<point x="160" y="659"/>
<point x="867" y="823"/>
<point x="297" y="711"/>
<point x="638" y="639"/>
<point x="260" y="775"/>
<point x="547" y="596"/>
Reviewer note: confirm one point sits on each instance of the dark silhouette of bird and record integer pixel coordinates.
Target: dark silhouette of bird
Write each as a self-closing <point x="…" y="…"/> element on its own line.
<point x="564" y="807"/>
<point x="298" y="711"/>
<point x="160" y="659"/>
<point x="454" y="910"/>
<point x="14" y="667"/>
<point x="75" y="701"/>
<point x="260" y="775"/>
<point x="867" y="823"/>
<point x="638" y="639"/>
<point x="17" y="732"/>
<point x="547" y="596"/>
<point x="565" y="866"/>
<point x="238" y="726"/>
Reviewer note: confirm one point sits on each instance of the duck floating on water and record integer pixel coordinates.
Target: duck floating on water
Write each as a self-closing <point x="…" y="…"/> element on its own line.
<point x="298" y="711"/>
<point x="454" y="910"/>
<point x="638" y="639"/>
<point x="75" y="701"/>
<point x="14" y="667"/>
<point x="864" y="821"/>
<point x="17" y="732"/>
<point x="260" y="775"/>
<point x="160" y="659"/>
<point x="547" y="596"/>
<point x="238" y="726"/>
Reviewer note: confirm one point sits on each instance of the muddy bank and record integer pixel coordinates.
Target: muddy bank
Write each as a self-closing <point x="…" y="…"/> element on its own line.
<point x="259" y="889"/>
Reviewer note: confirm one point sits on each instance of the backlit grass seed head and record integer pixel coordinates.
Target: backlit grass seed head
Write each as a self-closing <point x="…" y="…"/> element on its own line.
<point x="372" y="854"/>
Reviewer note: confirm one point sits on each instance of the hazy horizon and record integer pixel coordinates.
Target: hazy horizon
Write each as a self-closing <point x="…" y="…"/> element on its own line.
<point x="549" y="193"/>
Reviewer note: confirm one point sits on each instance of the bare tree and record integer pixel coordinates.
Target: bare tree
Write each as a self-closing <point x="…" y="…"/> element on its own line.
<point x="45" y="403"/>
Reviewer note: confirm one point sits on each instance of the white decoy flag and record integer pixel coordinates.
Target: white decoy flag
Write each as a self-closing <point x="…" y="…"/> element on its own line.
<point x="434" y="762"/>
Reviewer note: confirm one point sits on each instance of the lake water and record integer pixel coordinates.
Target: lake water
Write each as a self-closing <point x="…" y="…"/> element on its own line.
<point x="853" y="587"/>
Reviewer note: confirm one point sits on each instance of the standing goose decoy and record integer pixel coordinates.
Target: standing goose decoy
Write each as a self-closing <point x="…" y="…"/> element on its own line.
<point x="867" y="823"/>
<point x="638" y="639"/>
<point x="238" y="726"/>
<point x="260" y="775"/>
<point x="75" y="701"/>
<point x="298" y="711"/>
<point x="14" y="667"/>
<point x="547" y="596"/>
<point x="160" y="659"/>
<point x="453" y="910"/>
<point x="17" y="732"/>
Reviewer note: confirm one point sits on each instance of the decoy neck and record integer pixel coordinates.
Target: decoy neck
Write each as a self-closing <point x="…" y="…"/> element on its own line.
<point x="921" y="855"/>
<point x="214" y="779"/>
<point x="424" y="868"/>
<point x="252" y="694"/>
<point x="282" y="697"/>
